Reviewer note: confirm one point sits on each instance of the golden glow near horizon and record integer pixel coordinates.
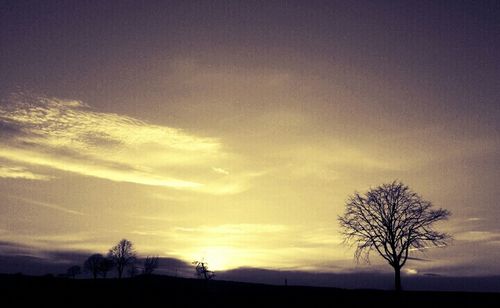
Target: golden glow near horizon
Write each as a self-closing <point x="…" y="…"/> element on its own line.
<point x="259" y="202"/>
<point x="223" y="158"/>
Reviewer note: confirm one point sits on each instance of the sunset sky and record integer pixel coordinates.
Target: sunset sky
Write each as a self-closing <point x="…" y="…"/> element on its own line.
<point x="234" y="131"/>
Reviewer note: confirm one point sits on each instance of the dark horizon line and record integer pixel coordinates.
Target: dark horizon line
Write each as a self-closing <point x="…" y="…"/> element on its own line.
<point x="173" y="267"/>
<point x="471" y="279"/>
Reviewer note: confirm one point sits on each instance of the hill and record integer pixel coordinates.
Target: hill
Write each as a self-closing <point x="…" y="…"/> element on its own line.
<point x="183" y="292"/>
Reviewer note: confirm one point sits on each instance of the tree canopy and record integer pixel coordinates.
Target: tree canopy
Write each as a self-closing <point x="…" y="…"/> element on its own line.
<point x="392" y="220"/>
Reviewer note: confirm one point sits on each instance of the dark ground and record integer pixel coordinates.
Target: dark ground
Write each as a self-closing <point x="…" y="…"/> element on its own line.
<point x="163" y="291"/>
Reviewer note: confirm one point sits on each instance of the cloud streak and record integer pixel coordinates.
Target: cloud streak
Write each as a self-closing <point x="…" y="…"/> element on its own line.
<point x="226" y="246"/>
<point x="15" y="172"/>
<point x="49" y="206"/>
<point x="70" y="136"/>
<point x="478" y="236"/>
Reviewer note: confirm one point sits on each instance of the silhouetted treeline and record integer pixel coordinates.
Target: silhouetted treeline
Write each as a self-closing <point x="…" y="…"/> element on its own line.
<point x="122" y="257"/>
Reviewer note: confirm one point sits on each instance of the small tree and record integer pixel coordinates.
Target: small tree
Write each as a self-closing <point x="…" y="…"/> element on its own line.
<point x="93" y="264"/>
<point x="393" y="220"/>
<point x="202" y="271"/>
<point x="150" y="264"/>
<point x="123" y="255"/>
<point x="73" y="271"/>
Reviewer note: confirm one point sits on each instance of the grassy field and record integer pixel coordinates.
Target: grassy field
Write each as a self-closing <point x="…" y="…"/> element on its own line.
<point x="163" y="291"/>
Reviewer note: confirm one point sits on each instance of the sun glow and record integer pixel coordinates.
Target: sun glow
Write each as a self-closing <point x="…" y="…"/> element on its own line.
<point x="218" y="258"/>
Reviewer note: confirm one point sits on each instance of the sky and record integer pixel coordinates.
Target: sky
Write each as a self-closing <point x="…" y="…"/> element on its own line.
<point x="234" y="131"/>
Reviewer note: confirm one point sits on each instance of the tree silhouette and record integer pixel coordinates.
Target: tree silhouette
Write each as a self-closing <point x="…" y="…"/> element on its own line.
<point x="73" y="271"/>
<point x="202" y="271"/>
<point x="105" y="267"/>
<point x="393" y="220"/>
<point x="93" y="264"/>
<point x="150" y="264"/>
<point x="123" y="255"/>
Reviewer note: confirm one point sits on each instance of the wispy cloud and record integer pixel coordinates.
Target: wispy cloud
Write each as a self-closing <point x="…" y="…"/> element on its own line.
<point x="411" y="271"/>
<point x="90" y="241"/>
<point x="47" y="205"/>
<point x="474" y="219"/>
<point x="15" y="172"/>
<point x="220" y="170"/>
<point x="70" y="136"/>
<point x="266" y="245"/>
<point x="475" y="236"/>
<point x="234" y="229"/>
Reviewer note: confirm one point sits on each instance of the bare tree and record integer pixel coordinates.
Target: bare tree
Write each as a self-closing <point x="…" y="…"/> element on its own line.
<point x="93" y="264"/>
<point x="122" y="254"/>
<point x="73" y="271"/>
<point x="150" y="264"/>
<point x="393" y="220"/>
<point x="202" y="271"/>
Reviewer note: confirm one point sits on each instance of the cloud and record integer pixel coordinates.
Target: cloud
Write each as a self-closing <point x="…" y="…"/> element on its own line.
<point x="68" y="135"/>
<point x="220" y="170"/>
<point x="48" y="205"/>
<point x="226" y="246"/>
<point x="474" y="219"/>
<point x="235" y="229"/>
<point x="15" y="172"/>
<point x="18" y="258"/>
<point x="475" y="236"/>
<point x="35" y="244"/>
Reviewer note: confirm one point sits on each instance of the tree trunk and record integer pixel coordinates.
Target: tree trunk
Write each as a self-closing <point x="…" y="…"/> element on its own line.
<point x="397" y="278"/>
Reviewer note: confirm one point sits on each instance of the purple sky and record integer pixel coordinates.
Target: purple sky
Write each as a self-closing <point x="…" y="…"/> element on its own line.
<point x="234" y="131"/>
